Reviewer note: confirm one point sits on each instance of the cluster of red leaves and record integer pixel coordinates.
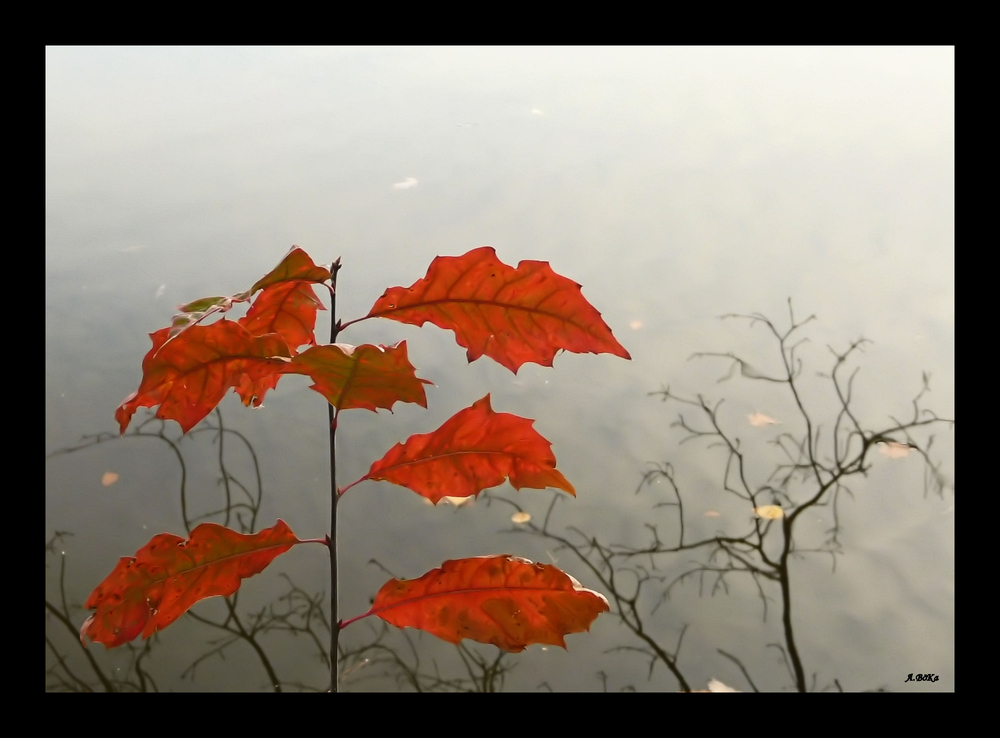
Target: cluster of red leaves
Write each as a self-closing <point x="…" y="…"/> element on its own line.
<point x="191" y="367"/>
<point x="512" y="315"/>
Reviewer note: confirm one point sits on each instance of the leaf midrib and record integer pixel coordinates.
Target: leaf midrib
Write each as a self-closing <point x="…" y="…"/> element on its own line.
<point x="491" y="303"/>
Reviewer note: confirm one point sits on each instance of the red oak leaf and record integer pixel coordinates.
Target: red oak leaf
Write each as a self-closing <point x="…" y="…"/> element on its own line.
<point x="287" y="306"/>
<point x="475" y="449"/>
<point x="504" y="600"/>
<point x="512" y="315"/>
<point x="188" y="375"/>
<point x="252" y="387"/>
<point x="147" y="592"/>
<point x="288" y="309"/>
<point x="365" y="376"/>
<point x="295" y="267"/>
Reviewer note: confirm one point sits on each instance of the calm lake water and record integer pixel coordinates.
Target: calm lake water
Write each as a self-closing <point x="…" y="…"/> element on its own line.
<point x="676" y="186"/>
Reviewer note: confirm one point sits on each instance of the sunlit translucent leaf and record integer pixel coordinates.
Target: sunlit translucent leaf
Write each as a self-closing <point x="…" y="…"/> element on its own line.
<point x="520" y="517"/>
<point x="512" y="315"/>
<point x="475" y="449"/>
<point x="188" y="376"/>
<point x="180" y="322"/>
<point x="759" y="419"/>
<point x="252" y="387"/>
<point x="149" y="591"/>
<point x="296" y="266"/>
<point x="507" y="601"/>
<point x="893" y="450"/>
<point x="288" y="309"/>
<point x="109" y="478"/>
<point x="769" y="512"/>
<point x="193" y="312"/>
<point x="365" y="376"/>
<point x="205" y="304"/>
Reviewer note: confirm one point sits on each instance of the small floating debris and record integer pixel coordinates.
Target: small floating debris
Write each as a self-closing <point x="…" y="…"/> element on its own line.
<point x="758" y="420"/>
<point x="894" y="450"/>
<point x="769" y="512"/>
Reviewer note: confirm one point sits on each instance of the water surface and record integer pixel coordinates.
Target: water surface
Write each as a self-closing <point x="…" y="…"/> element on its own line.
<point x="675" y="185"/>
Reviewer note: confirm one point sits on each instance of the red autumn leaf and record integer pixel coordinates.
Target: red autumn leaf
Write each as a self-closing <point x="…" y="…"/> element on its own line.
<point x="504" y="600"/>
<point x="295" y="267"/>
<point x="188" y="375"/>
<point x="147" y="592"/>
<point x="476" y="448"/>
<point x="287" y="306"/>
<point x="252" y="387"/>
<point x="365" y="376"/>
<point x="512" y="315"/>
<point x="288" y="309"/>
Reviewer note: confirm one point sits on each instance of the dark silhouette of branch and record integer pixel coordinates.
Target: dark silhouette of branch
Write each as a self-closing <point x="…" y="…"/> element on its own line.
<point x="818" y="458"/>
<point x="377" y="660"/>
<point x="816" y="467"/>
<point x="295" y="612"/>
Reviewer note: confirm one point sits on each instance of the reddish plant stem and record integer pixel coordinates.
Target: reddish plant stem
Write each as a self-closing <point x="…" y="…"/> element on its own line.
<point x="335" y="624"/>
<point x="355" y="618"/>
<point x="324" y="541"/>
<point x="352" y="322"/>
<point x="342" y="491"/>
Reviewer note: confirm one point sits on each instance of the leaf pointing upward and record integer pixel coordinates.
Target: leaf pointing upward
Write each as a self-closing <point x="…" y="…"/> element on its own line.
<point x="512" y="315"/>
<point x="286" y="306"/>
<point x="288" y="309"/>
<point x="504" y="600"/>
<point x="147" y="592"/>
<point x="476" y="448"/>
<point x="297" y="266"/>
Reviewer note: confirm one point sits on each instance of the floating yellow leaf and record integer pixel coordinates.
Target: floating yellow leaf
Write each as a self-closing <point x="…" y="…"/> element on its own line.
<point x="109" y="478"/>
<point x="769" y="512"/>
<point x="759" y="419"/>
<point x="712" y="514"/>
<point x="519" y="517"/>
<point x="894" y="450"/>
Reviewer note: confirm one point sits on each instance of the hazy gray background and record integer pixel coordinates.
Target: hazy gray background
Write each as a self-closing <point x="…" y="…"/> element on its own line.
<point x="675" y="185"/>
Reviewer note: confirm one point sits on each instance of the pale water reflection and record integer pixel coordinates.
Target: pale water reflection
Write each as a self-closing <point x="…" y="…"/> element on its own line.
<point x="675" y="185"/>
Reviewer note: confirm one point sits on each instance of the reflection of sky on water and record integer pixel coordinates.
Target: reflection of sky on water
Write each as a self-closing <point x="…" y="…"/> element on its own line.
<point x="674" y="185"/>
